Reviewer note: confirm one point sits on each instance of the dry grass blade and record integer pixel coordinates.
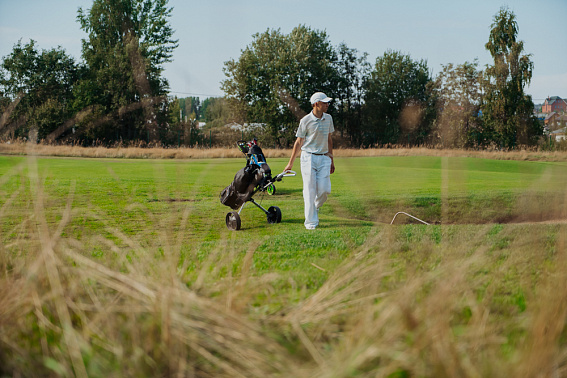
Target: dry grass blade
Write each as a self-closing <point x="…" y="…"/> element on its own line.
<point x="540" y="356"/>
<point x="201" y="324"/>
<point x="48" y="242"/>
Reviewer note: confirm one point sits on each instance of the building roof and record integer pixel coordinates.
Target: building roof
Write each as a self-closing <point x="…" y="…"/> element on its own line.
<point x="552" y="99"/>
<point x="556" y="117"/>
<point x="550" y="115"/>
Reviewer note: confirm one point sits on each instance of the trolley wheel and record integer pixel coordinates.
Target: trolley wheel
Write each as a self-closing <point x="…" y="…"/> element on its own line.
<point x="274" y="214"/>
<point x="233" y="221"/>
<point x="271" y="189"/>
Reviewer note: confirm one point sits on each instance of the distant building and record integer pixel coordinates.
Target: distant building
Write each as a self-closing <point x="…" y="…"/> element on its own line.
<point x="554" y="104"/>
<point x="559" y="135"/>
<point x="555" y="120"/>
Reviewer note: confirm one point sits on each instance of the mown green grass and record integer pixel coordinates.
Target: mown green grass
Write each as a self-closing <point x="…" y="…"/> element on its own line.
<point x="139" y="199"/>
<point x="362" y="291"/>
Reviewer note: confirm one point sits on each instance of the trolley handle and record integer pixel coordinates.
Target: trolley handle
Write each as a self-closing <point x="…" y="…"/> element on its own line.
<point x="288" y="173"/>
<point x="284" y="174"/>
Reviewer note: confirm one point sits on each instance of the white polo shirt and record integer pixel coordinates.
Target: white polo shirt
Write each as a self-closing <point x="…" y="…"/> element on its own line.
<point x="316" y="133"/>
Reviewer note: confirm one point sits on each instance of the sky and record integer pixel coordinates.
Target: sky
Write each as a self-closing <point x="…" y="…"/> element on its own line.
<point x="211" y="32"/>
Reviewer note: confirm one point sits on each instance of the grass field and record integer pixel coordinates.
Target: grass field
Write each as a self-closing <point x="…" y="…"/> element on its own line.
<point x="123" y="267"/>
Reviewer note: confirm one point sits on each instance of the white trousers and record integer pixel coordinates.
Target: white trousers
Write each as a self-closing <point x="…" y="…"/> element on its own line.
<point x="316" y="172"/>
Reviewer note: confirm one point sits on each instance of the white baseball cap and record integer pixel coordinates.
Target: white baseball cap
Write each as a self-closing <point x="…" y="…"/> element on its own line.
<point x="320" y="96"/>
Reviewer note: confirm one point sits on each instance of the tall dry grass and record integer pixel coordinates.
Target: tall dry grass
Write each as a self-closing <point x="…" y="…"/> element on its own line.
<point x="20" y="148"/>
<point x="380" y="315"/>
<point x="472" y="301"/>
<point x="430" y="322"/>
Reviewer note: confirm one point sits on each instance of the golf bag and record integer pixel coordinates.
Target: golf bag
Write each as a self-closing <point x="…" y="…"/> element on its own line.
<point x="242" y="187"/>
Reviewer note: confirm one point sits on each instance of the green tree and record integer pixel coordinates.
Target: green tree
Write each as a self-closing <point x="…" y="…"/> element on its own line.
<point x="37" y="90"/>
<point x="181" y="106"/>
<point x="275" y="76"/>
<point x="192" y="105"/>
<point x="458" y="94"/>
<point x="128" y="43"/>
<point x="204" y="106"/>
<point x="352" y="71"/>
<point x="217" y="112"/>
<point x="507" y="110"/>
<point x="184" y="130"/>
<point x="397" y="101"/>
<point x="175" y="109"/>
<point x="188" y="106"/>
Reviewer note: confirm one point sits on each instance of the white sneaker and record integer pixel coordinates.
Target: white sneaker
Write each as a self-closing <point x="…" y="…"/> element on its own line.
<point x="310" y="227"/>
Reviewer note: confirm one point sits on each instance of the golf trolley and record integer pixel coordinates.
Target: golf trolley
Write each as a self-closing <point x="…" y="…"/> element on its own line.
<point x="255" y="177"/>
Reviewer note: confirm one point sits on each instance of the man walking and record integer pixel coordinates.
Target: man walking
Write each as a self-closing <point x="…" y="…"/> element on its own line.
<point x="316" y="146"/>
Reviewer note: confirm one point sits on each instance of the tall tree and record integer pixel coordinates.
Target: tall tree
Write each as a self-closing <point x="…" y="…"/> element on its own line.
<point x="217" y="112"/>
<point x="204" y="108"/>
<point x="506" y="109"/>
<point x="275" y="76"/>
<point x="193" y="106"/>
<point x="458" y="94"/>
<point x="128" y="43"/>
<point x="189" y="106"/>
<point x="39" y="86"/>
<point x="352" y="71"/>
<point x="396" y="100"/>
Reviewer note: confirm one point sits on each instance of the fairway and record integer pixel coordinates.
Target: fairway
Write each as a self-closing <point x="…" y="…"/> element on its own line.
<point x="143" y="244"/>
<point x="140" y="198"/>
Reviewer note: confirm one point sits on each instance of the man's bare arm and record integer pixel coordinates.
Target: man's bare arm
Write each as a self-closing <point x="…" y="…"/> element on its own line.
<point x="296" y="150"/>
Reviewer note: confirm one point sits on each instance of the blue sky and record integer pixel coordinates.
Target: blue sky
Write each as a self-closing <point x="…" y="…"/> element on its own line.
<point x="211" y="32"/>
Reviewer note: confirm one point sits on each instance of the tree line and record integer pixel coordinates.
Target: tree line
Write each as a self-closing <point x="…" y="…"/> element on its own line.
<point x="117" y="93"/>
<point x="393" y="101"/>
